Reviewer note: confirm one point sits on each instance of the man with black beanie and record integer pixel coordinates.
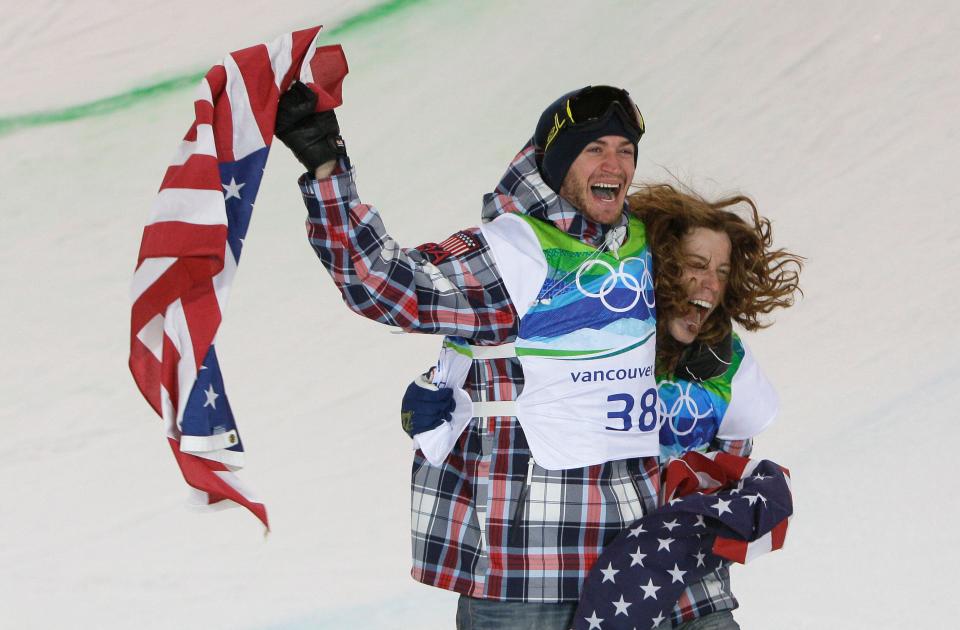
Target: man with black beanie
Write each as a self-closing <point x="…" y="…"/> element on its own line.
<point x="549" y="316"/>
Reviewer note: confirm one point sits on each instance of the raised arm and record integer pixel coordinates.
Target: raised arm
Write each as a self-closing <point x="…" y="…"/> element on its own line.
<point x="450" y="288"/>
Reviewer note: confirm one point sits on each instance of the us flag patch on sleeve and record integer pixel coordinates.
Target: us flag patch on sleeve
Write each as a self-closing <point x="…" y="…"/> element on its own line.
<point x="457" y="245"/>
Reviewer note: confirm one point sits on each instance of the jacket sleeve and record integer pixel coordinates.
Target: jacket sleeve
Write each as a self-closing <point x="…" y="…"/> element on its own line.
<point x="451" y="288"/>
<point x="741" y="448"/>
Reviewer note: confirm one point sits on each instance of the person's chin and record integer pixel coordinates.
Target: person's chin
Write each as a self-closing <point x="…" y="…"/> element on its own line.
<point x="605" y="213"/>
<point x="681" y="333"/>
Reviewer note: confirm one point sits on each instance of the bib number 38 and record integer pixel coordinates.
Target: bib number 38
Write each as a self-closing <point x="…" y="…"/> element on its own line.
<point x="646" y="418"/>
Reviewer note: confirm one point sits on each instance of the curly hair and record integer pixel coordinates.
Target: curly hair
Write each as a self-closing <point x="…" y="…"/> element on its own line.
<point x="761" y="278"/>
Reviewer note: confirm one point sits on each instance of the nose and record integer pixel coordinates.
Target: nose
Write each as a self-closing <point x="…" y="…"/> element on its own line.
<point x="610" y="164"/>
<point x="711" y="280"/>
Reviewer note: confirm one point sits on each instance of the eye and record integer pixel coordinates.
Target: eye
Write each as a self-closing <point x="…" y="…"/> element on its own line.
<point x="724" y="272"/>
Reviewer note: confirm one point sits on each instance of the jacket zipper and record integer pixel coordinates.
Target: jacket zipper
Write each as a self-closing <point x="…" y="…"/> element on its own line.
<point x="516" y="521"/>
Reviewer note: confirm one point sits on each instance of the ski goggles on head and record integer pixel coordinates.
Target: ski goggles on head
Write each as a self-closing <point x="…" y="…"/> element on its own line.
<point x="592" y="107"/>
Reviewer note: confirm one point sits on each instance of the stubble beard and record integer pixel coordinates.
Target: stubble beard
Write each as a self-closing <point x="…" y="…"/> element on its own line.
<point x="577" y="193"/>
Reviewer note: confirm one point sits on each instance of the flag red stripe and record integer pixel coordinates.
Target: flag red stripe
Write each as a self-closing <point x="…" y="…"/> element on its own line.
<point x="204" y="111"/>
<point x="731" y="464"/>
<point x="155" y="300"/>
<point x="298" y="50"/>
<point x="146" y="373"/>
<point x="216" y="79"/>
<point x="174" y="239"/>
<point x="169" y="378"/>
<point x="223" y="129"/>
<point x="202" y="311"/>
<point x="202" y="108"/>
<point x="200" y="474"/>
<point x="183" y="278"/>
<point x="191" y="135"/>
<point x="779" y="533"/>
<point x="329" y="67"/>
<point x="735" y="550"/>
<point x="199" y="172"/>
<point x="257" y="74"/>
<point x="222" y="119"/>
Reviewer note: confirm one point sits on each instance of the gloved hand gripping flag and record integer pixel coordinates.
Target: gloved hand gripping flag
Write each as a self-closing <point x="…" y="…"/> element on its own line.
<point x="191" y="247"/>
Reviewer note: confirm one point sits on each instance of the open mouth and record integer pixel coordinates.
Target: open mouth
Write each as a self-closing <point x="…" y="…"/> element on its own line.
<point x="605" y="192"/>
<point x="699" y="312"/>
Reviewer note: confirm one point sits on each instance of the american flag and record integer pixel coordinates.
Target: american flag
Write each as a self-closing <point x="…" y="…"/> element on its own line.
<point x="191" y="247"/>
<point x="717" y="507"/>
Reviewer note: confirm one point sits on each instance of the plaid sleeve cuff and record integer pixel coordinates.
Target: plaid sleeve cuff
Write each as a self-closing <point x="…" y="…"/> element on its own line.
<point x="741" y="448"/>
<point x="335" y="193"/>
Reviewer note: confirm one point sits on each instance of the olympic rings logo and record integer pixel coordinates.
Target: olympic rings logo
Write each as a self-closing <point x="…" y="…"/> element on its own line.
<point x="640" y="287"/>
<point x="684" y="400"/>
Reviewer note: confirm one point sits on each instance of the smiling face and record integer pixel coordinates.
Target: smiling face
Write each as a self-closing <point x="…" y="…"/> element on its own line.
<point x="597" y="181"/>
<point x="706" y="269"/>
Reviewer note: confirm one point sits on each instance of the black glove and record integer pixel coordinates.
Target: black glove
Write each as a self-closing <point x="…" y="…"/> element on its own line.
<point x="314" y="137"/>
<point x="425" y="406"/>
<point x="701" y="362"/>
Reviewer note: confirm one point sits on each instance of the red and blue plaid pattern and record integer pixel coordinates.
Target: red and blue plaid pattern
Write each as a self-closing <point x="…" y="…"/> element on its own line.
<point x="490" y="523"/>
<point x="462" y="296"/>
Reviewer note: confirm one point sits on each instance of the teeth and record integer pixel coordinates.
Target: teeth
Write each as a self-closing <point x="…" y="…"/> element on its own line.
<point x="701" y="303"/>
<point x="605" y="191"/>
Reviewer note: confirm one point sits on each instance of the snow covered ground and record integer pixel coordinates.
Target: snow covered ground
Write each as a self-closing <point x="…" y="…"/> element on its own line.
<point x="840" y="119"/>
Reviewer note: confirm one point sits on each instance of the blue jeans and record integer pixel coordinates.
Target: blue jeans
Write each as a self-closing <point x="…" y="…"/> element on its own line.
<point x="489" y="614"/>
<point x="722" y="620"/>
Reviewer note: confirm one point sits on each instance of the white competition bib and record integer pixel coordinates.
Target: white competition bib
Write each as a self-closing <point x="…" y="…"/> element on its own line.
<point x="586" y="343"/>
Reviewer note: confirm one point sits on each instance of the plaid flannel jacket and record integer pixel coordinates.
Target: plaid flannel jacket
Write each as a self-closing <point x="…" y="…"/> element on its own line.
<point x="489" y="522"/>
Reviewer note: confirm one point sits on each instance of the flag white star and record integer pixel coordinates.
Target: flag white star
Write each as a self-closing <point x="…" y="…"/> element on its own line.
<point x="752" y="498"/>
<point x="676" y="574"/>
<point x="664" y="543"/>
<point x="649" y="590"/>
<point x="232" y="189"/>
<point x="622" y="607"/>
<point x="636" y="531"/>
<point x="594" y="621"/>
<point x="211" y="397"/>
<point x="658" y="620"/>
<point x="759" y="477"/>
<point x="669" y="526"/>
<point x="699" y="522"/>
<point x="700" y="556"/>
<point x="637" y="557"/>
<point x="609" y="572"/>
<point x="722" y="506"/>
<point x="675" y="500"/>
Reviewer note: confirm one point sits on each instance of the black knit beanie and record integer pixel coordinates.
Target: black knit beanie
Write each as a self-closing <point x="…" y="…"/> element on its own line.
<point x="568" y="143"/>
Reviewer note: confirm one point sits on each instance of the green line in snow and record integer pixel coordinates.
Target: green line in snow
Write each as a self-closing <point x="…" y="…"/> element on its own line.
<point x="132" y="97"/>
